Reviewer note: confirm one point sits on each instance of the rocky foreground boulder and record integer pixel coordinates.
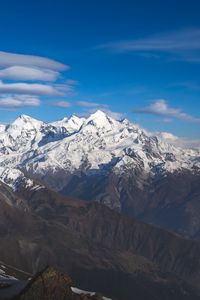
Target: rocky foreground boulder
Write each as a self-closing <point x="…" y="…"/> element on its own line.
<point x="51" y="284"/>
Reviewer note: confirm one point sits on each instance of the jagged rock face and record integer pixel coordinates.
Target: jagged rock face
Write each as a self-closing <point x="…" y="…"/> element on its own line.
<point x="171" y="201"/>
<point x="113" y="162"/>
<point x="48" y="284"/>
<point x="51" y="284"/>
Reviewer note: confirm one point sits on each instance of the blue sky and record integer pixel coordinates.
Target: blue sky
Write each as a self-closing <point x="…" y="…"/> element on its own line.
<point x="138" y="59"/>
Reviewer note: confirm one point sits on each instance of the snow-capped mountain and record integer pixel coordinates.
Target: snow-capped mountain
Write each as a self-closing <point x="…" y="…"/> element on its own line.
<point x="97" y="144"/>
<point x="100" y="158"/>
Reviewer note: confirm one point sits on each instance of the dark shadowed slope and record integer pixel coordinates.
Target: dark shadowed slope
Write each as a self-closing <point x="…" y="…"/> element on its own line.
<point x="99" y="248"/>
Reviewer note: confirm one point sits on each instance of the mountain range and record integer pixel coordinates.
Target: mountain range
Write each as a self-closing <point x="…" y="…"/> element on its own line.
<point x="111" y="205"/>
<point x="113" y="162"/>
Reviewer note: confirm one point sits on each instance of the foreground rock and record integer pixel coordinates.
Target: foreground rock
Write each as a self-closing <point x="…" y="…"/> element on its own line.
<point x="51" y="284"/>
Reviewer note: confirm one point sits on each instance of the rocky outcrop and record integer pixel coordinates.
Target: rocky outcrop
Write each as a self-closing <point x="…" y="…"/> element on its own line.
<point x="50" y="284"/>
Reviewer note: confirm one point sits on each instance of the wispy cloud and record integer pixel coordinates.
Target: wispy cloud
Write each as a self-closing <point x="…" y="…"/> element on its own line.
<point x="62" y="104"/>
<point x="161" y="108"/>
<point x="189" y="85"/>
<point x="114" y="114"/>
<point x="89" y="104"/>
<point x="28" y="89"/>
<point x="28" y="73"/>
<point x="13" y="102"/>
<point x="72" y="82"/>
<point x="184" y="44"/>
<point x="67" y="88"/>
<point x="181" y="142"/>
<point x="13" y="59"/>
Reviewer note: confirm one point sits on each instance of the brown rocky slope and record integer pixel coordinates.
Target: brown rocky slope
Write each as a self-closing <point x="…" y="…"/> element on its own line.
<point x="99" y="248"/>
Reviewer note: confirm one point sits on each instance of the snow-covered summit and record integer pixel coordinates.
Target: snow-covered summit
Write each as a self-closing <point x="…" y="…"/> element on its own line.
<point x="25" y="122"/>
<point x="71" y="124"/>
<point x="98" y="143"/>
<point x="100" y="120"/>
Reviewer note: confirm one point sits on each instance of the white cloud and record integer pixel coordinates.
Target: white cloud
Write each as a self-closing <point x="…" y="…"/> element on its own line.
<point x="28" y="89"/>
<point x="72" y="82"/>
<point x="181" y="142"/>
<point x="28" y="73"/>
<point x="21" y="68"/>
<point x="161" y="108"/>
<point x="12" y="59"/>
<point x="13" y="102"/>
<point x="62" y="104"/>
<point x="187" y="143"/>
<point x="89" y="104"/>
<point x="167" y="136"/>
<point x="185" y="44"/>
<point x="67" y="88"/>
<point x="113" y="114"/>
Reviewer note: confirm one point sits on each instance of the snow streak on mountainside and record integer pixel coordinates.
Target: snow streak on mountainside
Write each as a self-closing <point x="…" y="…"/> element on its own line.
<point x="4" y="275"/>
<point x="95" y="145"/>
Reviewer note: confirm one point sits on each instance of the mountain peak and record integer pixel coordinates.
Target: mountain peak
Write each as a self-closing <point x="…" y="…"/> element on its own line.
<point x="25" y="118"/>
<point x="65" y="119"/>
<point x="98" y="114"/>
<point x="72" y="124"/>
<point x="75" y="118"/>
<point x="59" y="123"/>
<point x="100" y="119"/>
<point x="24" y="122"/>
